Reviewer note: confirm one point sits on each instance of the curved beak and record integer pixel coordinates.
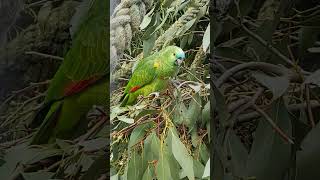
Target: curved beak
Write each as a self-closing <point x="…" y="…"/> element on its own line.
<point x="180" y="57"/>
<point x="179" y="61"/>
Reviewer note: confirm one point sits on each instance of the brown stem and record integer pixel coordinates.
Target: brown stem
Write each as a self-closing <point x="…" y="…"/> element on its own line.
<point x="265" y="67"/>
<point x="293" y="107"/>
<point x="274" y="125"/>
<point x="309" y="109"/>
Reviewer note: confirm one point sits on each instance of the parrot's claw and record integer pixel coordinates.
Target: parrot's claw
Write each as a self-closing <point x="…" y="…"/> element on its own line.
<point x="175" y="83"/>
<point x="156" y="94"/>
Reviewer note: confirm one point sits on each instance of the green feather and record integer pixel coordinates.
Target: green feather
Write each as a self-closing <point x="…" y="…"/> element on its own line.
<point x="152" y="74"/>
<point x="86" y="59"/>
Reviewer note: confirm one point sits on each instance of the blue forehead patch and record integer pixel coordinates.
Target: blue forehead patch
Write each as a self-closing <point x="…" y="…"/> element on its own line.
<point x="180" y="55"/>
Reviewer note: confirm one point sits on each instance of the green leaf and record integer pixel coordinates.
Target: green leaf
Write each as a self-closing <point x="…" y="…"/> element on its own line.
<point x="314" y="78"/>
<point x="206" y="113"/>
<point x="265" y="31"/>
<point x="64" y="145"/>
<point x="126" y="119"/>
<point x="206" y="39"/>
<point x="190" y="38"/>
<point x="41" y="154"/>
<point x="138" y="133"/>
<point x="148" y="45"/>
<point x="313" y="20"/>
<point x="308" y="157"/>
<point x="198" y="169"/>
<point x="173" y="164"/>
<point x="239" y="155"/>
<point x="307" y="38"/>
<point x="147" y="175"/>
<point x="181" y="155"/>
<point x="163" y="168"/>
<point x="114" y="177"/>
<point x="163" y="20"/>
<point x="220" y="105"/>
<point x="40" y="175"/>
<point x="206" y="172"/>
<point x="194" y="111"/>
<point x="268" y="147"/>
<point x="135" y="172"/>
<point x="232" y="42"/>
<point x="194" y="138"/>
<point x="146" y="21"/>
<point x="314" y="50"/>
<point x="186" y="27"/>
<point x="183" y="41"/>
<point x="179" y="113"/>
<point x="151" y="147"/>
<point x="99" y="166"/>
<point x="85" y="162"/>
<point x="231" y="53"/>
<point x="278" y="85"/>
<point x="94" y="144"/>
<point x="204" y="153"/>
<point x="216" y="30"/>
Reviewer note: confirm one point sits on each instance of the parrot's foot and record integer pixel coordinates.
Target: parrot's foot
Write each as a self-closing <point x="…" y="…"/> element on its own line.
<point x="96" y="112"/>
<point x="175" y="83"/>
<point x="156" y="94"/>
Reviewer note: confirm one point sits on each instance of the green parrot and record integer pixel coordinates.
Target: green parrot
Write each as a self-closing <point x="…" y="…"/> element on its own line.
<point x="153" y="73"/>
<point x="80" y="82"/>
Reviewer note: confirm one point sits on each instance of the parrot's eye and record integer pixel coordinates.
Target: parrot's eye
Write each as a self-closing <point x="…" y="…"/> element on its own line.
<point x="174" y="54"/>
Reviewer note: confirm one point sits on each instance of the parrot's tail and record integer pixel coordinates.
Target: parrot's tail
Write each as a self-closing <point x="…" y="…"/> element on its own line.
<point x="124" y="100"/>
<point x="45" y="131"/>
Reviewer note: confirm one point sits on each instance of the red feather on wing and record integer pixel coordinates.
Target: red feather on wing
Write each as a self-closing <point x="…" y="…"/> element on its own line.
<point x="135" y="88"/>
<point x="78" y="86"/>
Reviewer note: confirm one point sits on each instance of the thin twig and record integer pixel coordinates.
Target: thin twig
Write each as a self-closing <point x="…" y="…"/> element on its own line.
<point x="265" y="67"/>
<point x="293" y="107"/>
<point x="309" y="109"/>
<point x="44" y="55"/>
<point x="274" y="125"/>
<point x="263" y="42"/>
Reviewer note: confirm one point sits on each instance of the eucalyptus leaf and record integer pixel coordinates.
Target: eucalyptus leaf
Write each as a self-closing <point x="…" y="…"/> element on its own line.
<point x="147" y="175"/>
<point x="95" y="144"/>
<point x="40" y="175"/>
<point x="206" y="172"/>
<point x="125" y="119"/>
<point x="135" y="172"/>
<point x="181" y="155"/>
<point x="307" y="37"/>
<point x="314" y="78"/>
<point x="151" y="147"/>
<point x="163" y="168"/>
<point x="268" y="147"/>
<point x="308" y="157"/>
<point x="138" y="133"/>
<point x="206" y="39"/>
<point x="277" y="84"/>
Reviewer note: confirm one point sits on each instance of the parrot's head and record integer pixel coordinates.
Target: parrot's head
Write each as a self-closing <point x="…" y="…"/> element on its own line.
<point x="175" y="54"/>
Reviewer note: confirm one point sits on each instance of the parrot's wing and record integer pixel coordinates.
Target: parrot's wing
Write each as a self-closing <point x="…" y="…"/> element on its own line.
<point x="144" y="74"/>
<point x="86" y="61"/>
<point x="140" y="62"/>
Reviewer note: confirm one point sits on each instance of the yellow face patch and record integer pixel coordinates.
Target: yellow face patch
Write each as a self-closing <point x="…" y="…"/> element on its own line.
<point x="156" y="65"/>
